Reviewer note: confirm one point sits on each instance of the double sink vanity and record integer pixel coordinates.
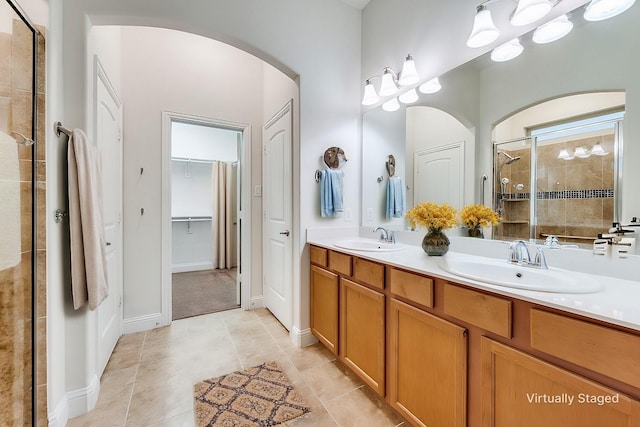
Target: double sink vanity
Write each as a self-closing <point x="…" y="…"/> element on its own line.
<point x="471" y="340"/>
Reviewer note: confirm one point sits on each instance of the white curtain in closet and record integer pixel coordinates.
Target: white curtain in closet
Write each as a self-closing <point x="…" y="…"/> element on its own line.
<point x="222" y="223"/>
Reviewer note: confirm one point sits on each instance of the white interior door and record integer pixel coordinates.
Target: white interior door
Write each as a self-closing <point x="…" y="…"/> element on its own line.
<point x="108" y="139"/>
<point x="439" y="175"/>
<point x="277" y="215"/>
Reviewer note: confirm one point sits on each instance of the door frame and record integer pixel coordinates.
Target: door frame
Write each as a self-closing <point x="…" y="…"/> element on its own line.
<point x="244" y="214"/>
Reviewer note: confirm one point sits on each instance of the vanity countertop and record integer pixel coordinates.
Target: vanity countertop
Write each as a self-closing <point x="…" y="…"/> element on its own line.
<point x="617" y="303"/>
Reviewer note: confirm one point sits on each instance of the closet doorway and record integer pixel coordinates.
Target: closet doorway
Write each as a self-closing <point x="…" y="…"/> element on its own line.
<point x="205" y="218"/>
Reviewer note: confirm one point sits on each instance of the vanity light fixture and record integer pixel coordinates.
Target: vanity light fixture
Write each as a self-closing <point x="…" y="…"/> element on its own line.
<point x="390" y="81"/>
<point x="599" y="10"/>
<point x="391" y="105"/>
<point x="529" y="11"/>
<point x="431" y="86"/>
<point x="507" y="51"/>
<point x="409" y="97"/>
<point x="484" y="31"/>
<point x="553" y="30"/>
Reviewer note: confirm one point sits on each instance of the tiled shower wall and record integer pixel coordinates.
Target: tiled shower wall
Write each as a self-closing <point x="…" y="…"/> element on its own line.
<point x="574" y="197"/>
<point x="16" y="315"/>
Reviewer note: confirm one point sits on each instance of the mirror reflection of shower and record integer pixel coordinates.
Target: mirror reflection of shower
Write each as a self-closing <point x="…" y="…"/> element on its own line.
<point x="504" y="181"/>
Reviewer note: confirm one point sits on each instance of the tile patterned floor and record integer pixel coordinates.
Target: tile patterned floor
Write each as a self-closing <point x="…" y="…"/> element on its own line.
<point x="149" y="379"/>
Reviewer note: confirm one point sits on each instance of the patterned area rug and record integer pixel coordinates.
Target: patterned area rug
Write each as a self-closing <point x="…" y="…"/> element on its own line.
<point x="258" y="396"/>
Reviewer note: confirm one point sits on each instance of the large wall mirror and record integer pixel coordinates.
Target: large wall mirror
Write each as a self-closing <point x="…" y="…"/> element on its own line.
<point x="493" y="107"/>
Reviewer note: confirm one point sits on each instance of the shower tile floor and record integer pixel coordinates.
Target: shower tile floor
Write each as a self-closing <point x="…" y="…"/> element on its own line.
<point x="150" y="376"/>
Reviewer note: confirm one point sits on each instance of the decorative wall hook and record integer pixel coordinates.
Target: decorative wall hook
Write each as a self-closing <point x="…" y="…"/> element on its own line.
<point x="59" y="215"/>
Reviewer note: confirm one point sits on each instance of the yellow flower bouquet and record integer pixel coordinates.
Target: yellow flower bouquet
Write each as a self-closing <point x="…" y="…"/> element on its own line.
<point x="476" y="216"/>
<point x="435" y="218"/>
<point x="432" y="216"/>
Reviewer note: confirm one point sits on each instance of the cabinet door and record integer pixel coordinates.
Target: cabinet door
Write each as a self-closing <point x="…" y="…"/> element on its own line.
<point x="324" y="307"/>
<point x="427" y="367"/>
<point x="362" y="332"/>
<point x="521" y="390"/>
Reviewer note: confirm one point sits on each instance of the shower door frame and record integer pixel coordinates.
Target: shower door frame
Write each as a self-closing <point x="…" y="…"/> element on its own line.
<point x="34" y="206"/>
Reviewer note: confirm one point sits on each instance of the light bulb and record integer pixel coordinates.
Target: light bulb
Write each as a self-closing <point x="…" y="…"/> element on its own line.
<point x="391" y="105"/>
<point x="599" y="10"/>
<point x="553" y="30"/>
<point x="507" y="51"/>
<point x="409" y="97"/>
<point x="564" y="154"/>
<point x="370" y="96"/>
<point x="529" y="11"/>
<point x="581" y="152"/>
<point x="409" y="74"/>
<point x="484" y="32"/>
<point x="597" y="150"/>
<point x="388" y="85"/>
<point x="432" y="86"/>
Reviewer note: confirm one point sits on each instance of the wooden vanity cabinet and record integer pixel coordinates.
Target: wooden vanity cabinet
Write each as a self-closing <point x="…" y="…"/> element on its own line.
<point x="444" y="354"/>
<point x="427" y="367"/>
<point x="521" y="390"/>
<point x="362" y="333"/>
<point x="325" y="288"/>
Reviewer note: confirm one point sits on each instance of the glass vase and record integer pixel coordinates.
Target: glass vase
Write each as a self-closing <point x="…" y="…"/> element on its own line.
<point x="475" y="232"/>
<point x="435" y="243"/>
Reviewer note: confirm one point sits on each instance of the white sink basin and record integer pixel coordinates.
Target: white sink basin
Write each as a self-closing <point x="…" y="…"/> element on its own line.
<point x="369" y="245"/>
<point x="498" y="272"/>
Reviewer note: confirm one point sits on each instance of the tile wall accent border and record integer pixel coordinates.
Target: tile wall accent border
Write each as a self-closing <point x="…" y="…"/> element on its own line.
<point x="564" y="194"/>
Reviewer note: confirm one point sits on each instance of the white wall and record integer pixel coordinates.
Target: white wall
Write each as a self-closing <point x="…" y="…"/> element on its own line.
<point x="183" y="73"/>
<point x="383" y="134"/>
<point x="316" y="42"/>
<point x="191" y="141"/>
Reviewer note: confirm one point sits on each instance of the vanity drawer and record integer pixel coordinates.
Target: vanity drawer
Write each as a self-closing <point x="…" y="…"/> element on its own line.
<point x="485" y="311"/>
<point x="319" y="256"/>
<point x="610" y="352"/>
<point x="340" y="263"/>
<point x="368" y="272"/>
<point x="412" y="287"/>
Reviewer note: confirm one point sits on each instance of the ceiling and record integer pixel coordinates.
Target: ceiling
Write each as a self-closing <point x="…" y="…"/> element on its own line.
<point x="358" y="4"/>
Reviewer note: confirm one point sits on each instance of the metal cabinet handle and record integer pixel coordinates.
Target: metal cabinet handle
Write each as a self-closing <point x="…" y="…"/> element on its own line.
<point x="285" y="232"/>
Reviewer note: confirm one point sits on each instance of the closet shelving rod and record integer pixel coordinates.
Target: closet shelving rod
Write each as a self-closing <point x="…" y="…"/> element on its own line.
<point x="190" y="218"/>
<point x="184" y="159"/>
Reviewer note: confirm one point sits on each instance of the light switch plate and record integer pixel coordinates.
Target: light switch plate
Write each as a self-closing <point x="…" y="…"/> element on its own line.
<point x="257" y="191"/>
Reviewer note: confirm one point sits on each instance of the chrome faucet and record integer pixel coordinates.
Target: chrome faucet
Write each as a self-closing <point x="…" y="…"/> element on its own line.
<point x="519" y="254"/>
<point x="385" y="236"/>
<point x="552" y="242"/>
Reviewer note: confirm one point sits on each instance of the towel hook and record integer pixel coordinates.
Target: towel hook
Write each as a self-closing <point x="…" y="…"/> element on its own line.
<point x="59" y="215"/>
<point x="318" y="175"/>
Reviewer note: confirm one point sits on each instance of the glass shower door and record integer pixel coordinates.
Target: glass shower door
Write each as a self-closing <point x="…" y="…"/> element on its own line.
<point x="576" y="178"/>
<point x="512" y="188"/>
<point x="17" y="207"/>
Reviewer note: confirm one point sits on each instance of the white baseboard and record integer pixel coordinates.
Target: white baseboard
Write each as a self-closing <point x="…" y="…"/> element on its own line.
<point x="60" y="415"/>
<point x="83" y="400"/>
<point x="257" y="302"/>
<point x="191" y="266"/>
<point x="142" y="323"/>
<point x="302" y="338"/>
